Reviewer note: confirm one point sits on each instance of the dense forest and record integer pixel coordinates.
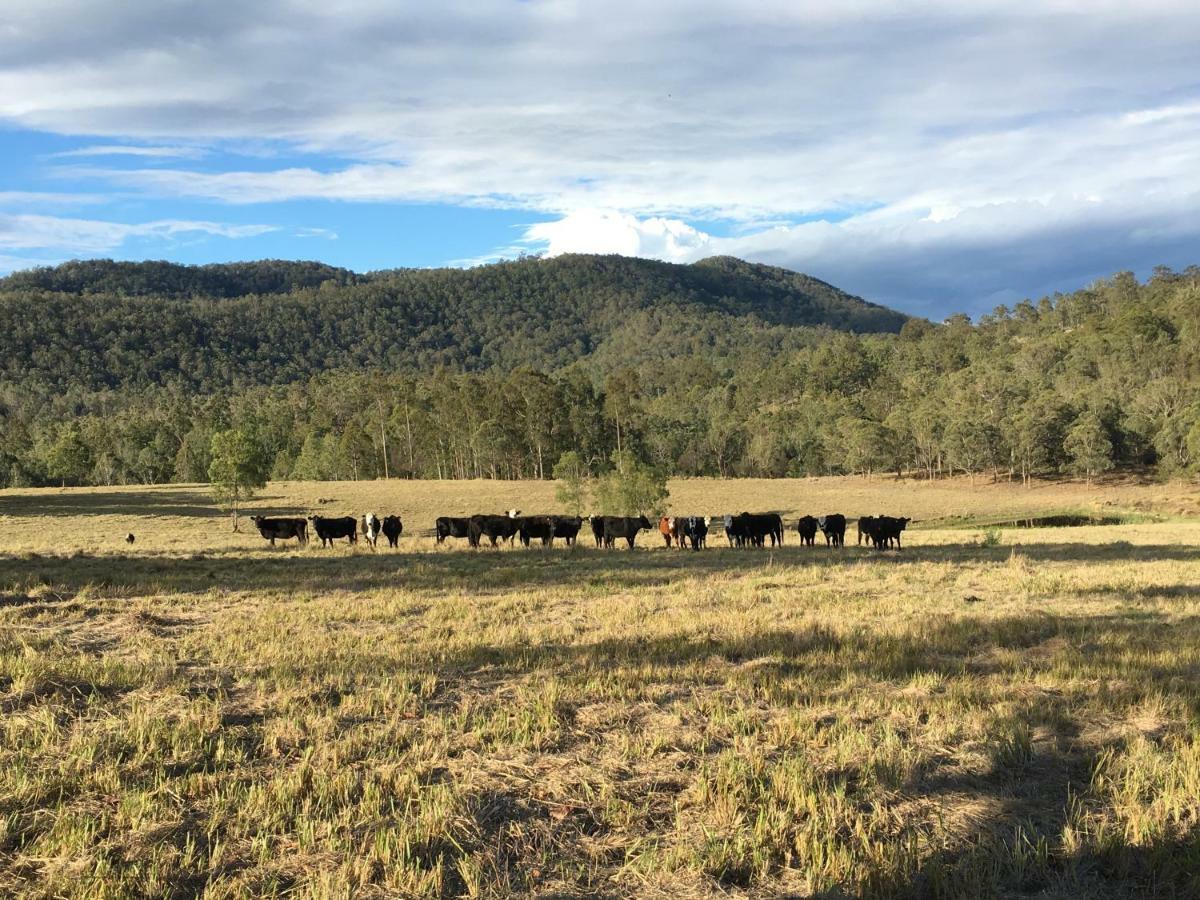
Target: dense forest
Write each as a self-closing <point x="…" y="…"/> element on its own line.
<point x="104" y="325"/>
<point x="718" y="368"/>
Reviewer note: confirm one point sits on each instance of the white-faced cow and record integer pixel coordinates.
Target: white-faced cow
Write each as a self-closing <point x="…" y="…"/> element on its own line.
<point x="371" y="526"/>
<point x="833" y="526"/>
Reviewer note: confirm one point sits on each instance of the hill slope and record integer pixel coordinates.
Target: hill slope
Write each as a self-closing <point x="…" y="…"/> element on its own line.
<point x="101" y="324"/>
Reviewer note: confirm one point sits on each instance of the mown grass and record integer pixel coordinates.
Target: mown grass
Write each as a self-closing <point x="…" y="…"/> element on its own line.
<point x="201" y="714"/>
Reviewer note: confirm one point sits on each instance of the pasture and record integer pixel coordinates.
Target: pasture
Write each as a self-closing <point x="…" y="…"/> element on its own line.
<point x="987" y="713"/>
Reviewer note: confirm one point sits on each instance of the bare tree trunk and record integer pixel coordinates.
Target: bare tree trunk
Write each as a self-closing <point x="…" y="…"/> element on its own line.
<point x="383" y="437"/>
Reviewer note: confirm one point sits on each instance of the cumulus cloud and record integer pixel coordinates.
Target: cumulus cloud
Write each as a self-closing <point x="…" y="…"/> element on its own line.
<point x="985" y="137"/>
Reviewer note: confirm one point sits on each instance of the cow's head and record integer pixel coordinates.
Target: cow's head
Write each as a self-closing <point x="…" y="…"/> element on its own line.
<point x="904" y="520"/>
<point x="707" y="521"/>
<point x="644" y="522"/>
<point x="512" y="513"/>
<point x="256" y="519"/>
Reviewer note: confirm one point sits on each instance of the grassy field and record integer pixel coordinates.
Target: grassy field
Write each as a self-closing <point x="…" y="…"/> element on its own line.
<point x="990" y="712"/>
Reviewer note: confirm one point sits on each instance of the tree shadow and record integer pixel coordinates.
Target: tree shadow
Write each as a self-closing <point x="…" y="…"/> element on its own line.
<point x="487" y="570"/>
<point x="1041" y="764"/>
<point x="149" y="502"/>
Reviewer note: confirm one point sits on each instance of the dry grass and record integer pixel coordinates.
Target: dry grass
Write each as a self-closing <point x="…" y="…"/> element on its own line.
<point x="201" y="714"/>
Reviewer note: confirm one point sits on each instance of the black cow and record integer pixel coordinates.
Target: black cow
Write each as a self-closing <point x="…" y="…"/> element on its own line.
<point x="693" y="529"/>
<point x="370" y="528"/>
<point x="625" y="527"/>
<point x="329" y="530"/>
<point x="866" y="528"/>
<point x="567" y="528"/>
<point x="392" y="529"/>
<point x="279" y="528"/>
<point x="754" y="529"/>
<point x="536" y="527"/>
<point x="833" y="526"/>
<point x="597" y="529"/>
<point x="448" y="526"/>
<point x="764" y="525"/>
<point x="887" y="531"/>
<point x="494" y="528"/>
<point x="807" y="528"/>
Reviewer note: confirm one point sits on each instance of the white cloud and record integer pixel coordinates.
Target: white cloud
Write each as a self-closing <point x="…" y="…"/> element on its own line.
<point x="131" y="150"/>
<point x="965" y="129"/>
<point x="609" y="231"/>
<point x="36" y="232"/>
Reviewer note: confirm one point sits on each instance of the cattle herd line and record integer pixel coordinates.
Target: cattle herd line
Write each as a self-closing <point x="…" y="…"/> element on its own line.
<point x="741" y="530"/>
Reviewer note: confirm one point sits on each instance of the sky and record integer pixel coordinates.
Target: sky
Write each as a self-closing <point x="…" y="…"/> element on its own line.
<point x="935" y="157"/>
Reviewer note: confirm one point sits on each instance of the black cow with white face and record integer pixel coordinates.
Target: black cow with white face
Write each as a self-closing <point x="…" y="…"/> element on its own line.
<point x="371" y="526"/>
<point x="833" y="526"/>
<point x="693" y="530"/>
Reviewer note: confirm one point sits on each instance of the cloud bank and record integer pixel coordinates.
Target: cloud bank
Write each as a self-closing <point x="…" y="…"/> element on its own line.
<point x="934" y="157"/>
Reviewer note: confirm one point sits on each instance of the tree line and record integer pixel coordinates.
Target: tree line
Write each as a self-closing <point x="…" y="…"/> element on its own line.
<point x="1107" y="377"/>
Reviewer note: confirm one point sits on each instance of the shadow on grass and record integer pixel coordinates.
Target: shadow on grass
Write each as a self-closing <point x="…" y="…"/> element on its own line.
<point x="148" y="502"/>
<point x="1040" y="772"/>
<point x="487" y="570"/>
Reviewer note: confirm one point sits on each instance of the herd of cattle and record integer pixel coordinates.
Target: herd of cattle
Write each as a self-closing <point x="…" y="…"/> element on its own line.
<point x="742" y="530"/>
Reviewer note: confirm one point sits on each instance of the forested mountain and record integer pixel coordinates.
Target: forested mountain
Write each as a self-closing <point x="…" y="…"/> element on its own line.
<point x="1105" y="377"/>
<point x="120" y="325"/>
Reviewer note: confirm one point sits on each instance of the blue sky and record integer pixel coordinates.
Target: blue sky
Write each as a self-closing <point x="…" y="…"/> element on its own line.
<point x="940" y="158"/>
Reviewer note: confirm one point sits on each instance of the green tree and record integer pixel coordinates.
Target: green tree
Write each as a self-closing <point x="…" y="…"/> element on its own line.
<point x="632" y="488"/>
<point x="238" y="469"/>
<point x="571" y="482"/>
<point x="68" y="457"/>
<point x="1088" y="446"/>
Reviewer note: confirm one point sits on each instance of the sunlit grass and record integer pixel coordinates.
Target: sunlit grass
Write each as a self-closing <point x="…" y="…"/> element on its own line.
<point x="203" y="714"/>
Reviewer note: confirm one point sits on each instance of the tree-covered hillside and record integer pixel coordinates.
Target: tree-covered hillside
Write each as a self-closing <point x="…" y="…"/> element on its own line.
<point x="112" y="325"/>
<point x="1107" y="377"/>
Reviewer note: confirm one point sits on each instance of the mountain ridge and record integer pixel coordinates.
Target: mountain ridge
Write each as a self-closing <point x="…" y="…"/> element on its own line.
<point x="274" y="321"/>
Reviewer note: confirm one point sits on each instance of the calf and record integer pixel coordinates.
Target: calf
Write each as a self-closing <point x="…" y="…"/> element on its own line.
<point x="807" y="528"/>
<point x="329" y="530"/>
<point x="279" y="528"/>
<point x="597" y="529"/>
<point x="392" y="529"/>
<point x="371" y="528"/>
